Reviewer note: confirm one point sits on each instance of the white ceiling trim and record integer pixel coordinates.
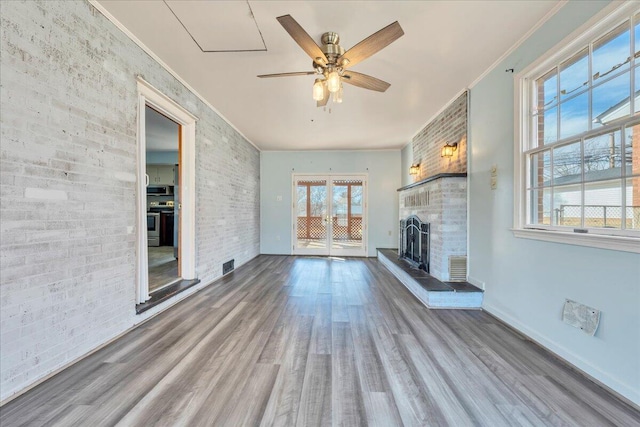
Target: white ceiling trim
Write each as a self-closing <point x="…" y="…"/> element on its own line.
<point x="137" y="41"/>
<point x="517" y="44"/>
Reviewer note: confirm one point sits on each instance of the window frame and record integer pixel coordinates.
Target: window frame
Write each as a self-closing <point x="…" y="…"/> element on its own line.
<point x="602" y="23"/>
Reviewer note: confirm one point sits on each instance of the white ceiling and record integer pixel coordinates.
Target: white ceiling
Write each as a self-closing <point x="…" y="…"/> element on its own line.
<point x="447" y="45"/>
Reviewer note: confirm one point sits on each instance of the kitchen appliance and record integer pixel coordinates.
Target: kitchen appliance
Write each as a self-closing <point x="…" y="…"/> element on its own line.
<point x="153" y="228"/>
<point x="160" y="190"/>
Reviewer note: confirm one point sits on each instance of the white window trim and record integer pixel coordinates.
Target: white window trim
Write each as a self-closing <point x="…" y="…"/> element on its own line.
<point x="596" y="26"/>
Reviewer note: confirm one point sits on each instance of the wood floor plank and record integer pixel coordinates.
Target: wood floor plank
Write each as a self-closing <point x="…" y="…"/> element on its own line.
<point x="347" y="407"/>
<point x="287" y="340"/>
<point x="315" y="404"/>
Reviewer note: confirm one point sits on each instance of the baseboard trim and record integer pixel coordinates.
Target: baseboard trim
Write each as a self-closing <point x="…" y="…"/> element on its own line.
<point x="557" y="350"/>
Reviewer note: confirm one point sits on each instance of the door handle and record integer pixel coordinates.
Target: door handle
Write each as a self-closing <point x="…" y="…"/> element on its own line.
<point x="146" y="178"/>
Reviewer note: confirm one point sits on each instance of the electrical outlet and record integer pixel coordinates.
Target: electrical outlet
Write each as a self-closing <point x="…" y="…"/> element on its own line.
<point x="278" y="198"/>
<point x="389" y="232"/>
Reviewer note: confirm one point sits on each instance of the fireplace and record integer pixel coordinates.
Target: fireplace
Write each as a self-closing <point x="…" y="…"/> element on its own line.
<point x="414" y="242"/>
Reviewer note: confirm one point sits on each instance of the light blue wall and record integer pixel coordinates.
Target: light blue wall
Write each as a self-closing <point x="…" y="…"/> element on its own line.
<point x="406" y="156"/>
<point x="276" y="169"/>
<point x="527" y="281"/>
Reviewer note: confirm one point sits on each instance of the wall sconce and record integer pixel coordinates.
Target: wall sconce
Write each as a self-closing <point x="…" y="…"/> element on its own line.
<point x="414" y="169"/>
<point x="447" y="150"/>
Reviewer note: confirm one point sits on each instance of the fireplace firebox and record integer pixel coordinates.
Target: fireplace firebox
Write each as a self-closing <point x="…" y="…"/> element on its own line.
<point x="414" y="242"/>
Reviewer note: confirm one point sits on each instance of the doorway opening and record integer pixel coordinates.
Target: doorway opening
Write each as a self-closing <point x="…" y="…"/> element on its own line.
<point x="165" y="198"/>
<point x="162" y="169"/>
<point x="329" y="213"/>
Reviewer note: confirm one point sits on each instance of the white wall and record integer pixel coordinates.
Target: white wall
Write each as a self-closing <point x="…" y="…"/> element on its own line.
<point x="276" y="169"/>
<point x="527" y="281"/>
<point x="67" y="253"/>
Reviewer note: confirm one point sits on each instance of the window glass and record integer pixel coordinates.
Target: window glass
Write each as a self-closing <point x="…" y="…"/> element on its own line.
<point x="636" y="95"/>
<point x="574" y="116"/>
<point x="636" y="31"/>
<point x="547" y="87"/>
<point x="567" y="205"/>
<point x="540" y="206"/>
<point x="632" y="195"/>
<point x="603" y="204"/>
<point x="582" y="151"/>
<point x="610" y="100"/>
<point x="547" y="126"/>
<point x="632" y="150"/>
<point x="540" y="168"/>
<point x="574" y="74"/>
<point x="567" y="164"/>
<point x="603" y="157"/>
<point x="611" y="53"/>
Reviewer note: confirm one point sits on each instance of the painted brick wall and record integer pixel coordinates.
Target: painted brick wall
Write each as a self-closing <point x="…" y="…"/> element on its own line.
<point x="448" y="127"/>
<point x="68" y="161"/>
<point x="443" y="204"/>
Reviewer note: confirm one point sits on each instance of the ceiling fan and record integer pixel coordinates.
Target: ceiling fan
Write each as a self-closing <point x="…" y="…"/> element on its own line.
<point x="331" y="62"/>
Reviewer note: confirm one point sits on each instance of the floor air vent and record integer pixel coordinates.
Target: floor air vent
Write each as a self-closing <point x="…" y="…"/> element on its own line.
<point x="227" y="267"/>
<point x="457" y="268"/>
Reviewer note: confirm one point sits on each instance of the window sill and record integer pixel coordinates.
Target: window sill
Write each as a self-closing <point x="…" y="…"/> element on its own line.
<point x="616" y="243"/>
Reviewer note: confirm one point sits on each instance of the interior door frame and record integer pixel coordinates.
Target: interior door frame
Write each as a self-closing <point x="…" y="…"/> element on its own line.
<point x="149" y="95"/>
<point x="329" y="251"/>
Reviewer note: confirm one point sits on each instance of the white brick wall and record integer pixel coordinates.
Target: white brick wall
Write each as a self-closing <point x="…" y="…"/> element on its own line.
<point x="447" y="214"/>
<point x="448" y="127"/>
<point x="67" y="185"/>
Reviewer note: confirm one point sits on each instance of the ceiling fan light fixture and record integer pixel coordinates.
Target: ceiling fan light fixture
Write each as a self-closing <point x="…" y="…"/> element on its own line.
<point x="337" y="96"/>
<point x="333" y="81"/>
<point x="318" y="90"/>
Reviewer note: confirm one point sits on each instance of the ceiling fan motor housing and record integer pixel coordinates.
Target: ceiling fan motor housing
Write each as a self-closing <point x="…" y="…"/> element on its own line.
<point x="330" y="46"/>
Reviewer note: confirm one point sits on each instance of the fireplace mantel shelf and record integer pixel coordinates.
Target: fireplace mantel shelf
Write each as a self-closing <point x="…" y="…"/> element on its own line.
<point x="433" y="178"/>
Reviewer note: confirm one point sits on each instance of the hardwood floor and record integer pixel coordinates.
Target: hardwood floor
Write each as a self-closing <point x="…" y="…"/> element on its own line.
<point x="314" y="341"/>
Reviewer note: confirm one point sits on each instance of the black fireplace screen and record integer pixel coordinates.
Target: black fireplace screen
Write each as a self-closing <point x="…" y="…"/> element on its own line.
<point x="414" y="242"/>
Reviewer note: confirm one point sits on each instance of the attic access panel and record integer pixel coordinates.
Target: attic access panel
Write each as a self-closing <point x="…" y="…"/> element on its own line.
<point x="219" y="26"/>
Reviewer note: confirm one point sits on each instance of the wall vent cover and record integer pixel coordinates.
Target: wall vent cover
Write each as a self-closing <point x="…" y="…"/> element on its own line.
<point x="227" y="267"/>
<point x="457" y="268"/>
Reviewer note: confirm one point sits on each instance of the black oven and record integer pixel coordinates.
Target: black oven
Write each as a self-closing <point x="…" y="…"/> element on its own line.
<point x="160" y="190"/>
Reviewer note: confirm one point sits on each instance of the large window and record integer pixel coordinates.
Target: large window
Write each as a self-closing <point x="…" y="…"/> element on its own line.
<point x="579" y="134"/>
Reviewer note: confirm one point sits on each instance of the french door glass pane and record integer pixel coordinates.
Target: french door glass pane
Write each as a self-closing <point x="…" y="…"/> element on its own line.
<point x="347" y="214"/>
<point x="311" y="214"/>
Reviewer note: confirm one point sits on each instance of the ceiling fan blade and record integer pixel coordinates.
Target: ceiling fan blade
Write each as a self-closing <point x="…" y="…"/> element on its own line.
<point x="301" y="37"/>
<point x="298" y="73"/>
<point x="365" y="81"/>
<point x="372" y="44"/>
<point x="325" y="97"/>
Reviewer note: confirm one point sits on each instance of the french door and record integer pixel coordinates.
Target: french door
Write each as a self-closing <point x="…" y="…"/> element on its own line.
<point x="329" y="215"/>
